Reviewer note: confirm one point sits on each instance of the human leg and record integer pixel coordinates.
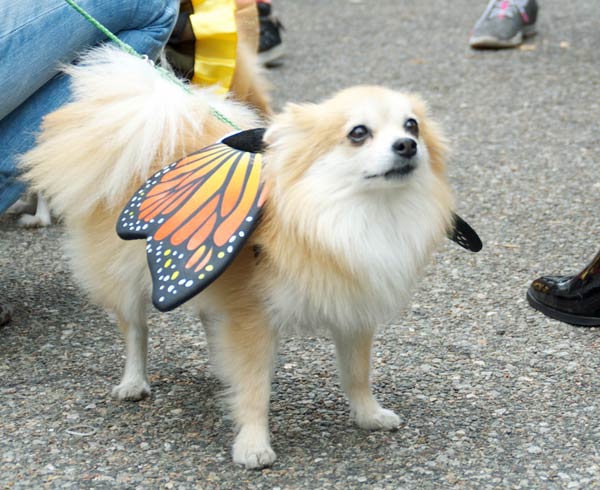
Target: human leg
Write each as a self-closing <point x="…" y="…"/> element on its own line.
<point x="36" y="37"/>
<point x="47" y="34"/>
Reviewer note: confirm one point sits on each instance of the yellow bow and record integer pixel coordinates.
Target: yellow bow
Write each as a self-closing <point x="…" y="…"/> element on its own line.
<point x="215" y="30"/>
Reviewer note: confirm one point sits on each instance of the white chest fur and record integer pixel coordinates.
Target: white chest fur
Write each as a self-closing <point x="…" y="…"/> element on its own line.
<point x="384" y="242"/>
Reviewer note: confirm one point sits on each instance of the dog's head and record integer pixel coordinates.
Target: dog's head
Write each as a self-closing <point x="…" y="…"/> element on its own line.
<point x="364" y="139"/>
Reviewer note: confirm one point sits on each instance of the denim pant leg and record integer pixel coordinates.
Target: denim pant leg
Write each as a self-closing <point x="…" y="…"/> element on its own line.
<point x="35" y="38"/>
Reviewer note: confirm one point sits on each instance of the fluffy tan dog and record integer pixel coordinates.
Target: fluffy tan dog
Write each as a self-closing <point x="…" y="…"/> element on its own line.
<point x="358" y="201"/>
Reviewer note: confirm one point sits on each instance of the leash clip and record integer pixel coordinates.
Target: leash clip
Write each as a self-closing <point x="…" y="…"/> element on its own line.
<point x="147" y="59"/>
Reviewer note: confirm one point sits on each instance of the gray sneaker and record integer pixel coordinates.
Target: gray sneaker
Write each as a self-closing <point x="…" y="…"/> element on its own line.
<point x="504" y="24"/>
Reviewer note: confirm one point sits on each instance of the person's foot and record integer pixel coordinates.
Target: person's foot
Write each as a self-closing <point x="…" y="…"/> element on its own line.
<point x="570" y="299"/>
<point x="504" y="24"/>
<point x="271" y="49"/>
<point x="5" y="314"/>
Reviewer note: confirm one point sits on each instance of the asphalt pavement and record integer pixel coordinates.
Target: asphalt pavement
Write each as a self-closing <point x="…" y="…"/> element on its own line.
<point x="491" y="393"/>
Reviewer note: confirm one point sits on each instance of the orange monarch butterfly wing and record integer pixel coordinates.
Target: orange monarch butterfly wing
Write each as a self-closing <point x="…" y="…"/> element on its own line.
<point x="195" y="215"/>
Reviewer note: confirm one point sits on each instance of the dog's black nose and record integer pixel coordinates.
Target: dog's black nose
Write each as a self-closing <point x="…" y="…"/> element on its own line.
<point x="405" y="147"/>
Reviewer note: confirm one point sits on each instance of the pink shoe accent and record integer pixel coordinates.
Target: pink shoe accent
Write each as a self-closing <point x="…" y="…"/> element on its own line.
<point x="503" y="7"/>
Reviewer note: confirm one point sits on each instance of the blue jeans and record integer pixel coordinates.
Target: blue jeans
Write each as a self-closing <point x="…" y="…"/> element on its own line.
<point x="35" y="38"/>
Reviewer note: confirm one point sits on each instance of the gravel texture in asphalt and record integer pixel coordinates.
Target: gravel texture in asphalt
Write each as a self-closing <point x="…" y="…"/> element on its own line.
<point x="491" y="393"/>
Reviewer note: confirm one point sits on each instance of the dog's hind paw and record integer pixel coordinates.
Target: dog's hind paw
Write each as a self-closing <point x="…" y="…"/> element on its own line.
<point x="131" y="390"/>
<point x="252" y="452"/>
<point x="379" y="419"/>
<point x="34" y="221"/>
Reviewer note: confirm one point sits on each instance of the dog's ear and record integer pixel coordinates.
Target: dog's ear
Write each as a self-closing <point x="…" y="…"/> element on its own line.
<point x="431" y="132"/>
<point x="294" y="120"/>
<point x="297" y="138"/>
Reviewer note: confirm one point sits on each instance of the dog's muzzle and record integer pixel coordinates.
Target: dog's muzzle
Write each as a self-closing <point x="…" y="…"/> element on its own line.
<point x="404" y="150"/>
<point x="405" y="147"/>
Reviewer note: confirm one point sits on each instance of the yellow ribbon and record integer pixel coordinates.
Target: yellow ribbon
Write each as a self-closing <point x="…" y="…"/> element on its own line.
<point x="215" y="30"/>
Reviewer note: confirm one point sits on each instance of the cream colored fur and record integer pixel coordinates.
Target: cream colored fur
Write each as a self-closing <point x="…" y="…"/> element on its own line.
<point x="341" y="247"/>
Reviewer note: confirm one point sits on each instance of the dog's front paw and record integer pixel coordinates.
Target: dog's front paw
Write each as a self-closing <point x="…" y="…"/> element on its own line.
<point x="131" y="390"/>
<point x="34" y="221"/>
<point x="252" y="449"/>
<point x="377" y="419"/>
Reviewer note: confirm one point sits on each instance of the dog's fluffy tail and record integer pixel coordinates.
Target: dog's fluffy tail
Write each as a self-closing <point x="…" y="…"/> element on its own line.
<point x="125" y="119"/>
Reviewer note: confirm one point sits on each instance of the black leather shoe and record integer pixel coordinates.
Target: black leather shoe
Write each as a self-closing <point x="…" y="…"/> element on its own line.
<point x="5" y="314"/>
<point x="570" y="299"/>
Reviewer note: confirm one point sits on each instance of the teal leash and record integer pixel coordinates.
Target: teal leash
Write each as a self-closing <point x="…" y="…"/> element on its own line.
<point x="128" y="49"/>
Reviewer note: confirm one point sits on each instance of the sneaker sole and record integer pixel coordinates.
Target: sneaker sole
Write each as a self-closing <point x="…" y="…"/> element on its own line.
<point x="490" y="42"/>
<point x="577" y="320"/>
<point x="273" y="56"/>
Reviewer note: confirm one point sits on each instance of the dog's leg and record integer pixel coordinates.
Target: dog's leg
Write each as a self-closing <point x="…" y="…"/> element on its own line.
<point x="354" y="359"/>
<point x="41" y="218"/>
<point x="212" y="324"/>
<point x="244" y="350"/>
<point x="134" y="384"/>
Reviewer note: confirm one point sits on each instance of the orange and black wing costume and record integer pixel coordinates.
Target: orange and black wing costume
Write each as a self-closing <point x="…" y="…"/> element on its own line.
<point x="196" y="214"/>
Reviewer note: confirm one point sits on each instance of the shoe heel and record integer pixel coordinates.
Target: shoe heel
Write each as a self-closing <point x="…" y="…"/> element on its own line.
<point x="529" y="31"/>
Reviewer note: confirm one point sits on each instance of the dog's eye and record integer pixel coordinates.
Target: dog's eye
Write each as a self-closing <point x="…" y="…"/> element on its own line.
<point x="412" y="127"/>
<point x="359" y="134"/>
